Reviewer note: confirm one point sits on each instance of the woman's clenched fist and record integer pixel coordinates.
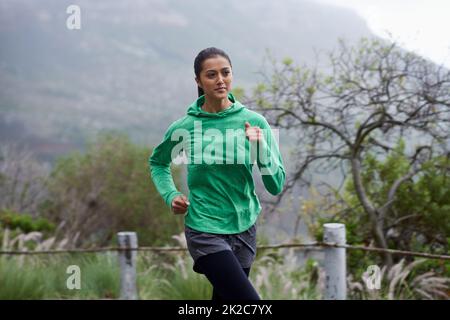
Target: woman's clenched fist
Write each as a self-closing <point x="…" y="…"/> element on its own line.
<point x="180" y="204"/>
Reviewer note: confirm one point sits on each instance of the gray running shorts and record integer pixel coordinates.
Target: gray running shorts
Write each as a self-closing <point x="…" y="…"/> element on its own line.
<point x="243" y="245"/>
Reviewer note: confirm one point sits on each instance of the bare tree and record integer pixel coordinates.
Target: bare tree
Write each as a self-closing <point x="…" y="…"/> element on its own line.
<point x="22" y="180"/>
<point x="371" y="95"/>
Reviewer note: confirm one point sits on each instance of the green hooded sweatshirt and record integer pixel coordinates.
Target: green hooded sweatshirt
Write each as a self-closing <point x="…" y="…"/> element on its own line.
<point x="219" y="162"/>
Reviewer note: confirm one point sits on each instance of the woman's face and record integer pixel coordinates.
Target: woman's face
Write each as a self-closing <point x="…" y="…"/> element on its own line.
<point x="215" y="77"/>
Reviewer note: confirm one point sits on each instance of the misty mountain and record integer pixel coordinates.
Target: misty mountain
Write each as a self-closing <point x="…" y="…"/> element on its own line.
<point x="130" y="66"/>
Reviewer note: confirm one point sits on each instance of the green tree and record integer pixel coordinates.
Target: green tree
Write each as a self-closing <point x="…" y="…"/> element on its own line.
<point x="419" y="217"/>
<point x="106" y="190"/>
<point x="418" y="220"/>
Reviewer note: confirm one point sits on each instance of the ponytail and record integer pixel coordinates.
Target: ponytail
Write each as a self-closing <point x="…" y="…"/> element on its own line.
<point x="200" y="91"/>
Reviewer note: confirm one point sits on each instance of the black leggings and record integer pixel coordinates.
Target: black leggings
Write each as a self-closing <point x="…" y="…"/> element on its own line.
<point x="229" y="280"/>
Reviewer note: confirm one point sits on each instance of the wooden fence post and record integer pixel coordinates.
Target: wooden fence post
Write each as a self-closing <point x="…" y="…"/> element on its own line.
<point x="335" y="262"/>
<point x="127" y="261"/>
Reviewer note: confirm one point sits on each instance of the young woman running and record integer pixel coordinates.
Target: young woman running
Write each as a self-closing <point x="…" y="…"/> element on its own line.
<point x="222" y="140"/>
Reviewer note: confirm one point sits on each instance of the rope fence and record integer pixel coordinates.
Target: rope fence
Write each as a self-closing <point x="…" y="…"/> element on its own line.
<point x="307" y="246"/>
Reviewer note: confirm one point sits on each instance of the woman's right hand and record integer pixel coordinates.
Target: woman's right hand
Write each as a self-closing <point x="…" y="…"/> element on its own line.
<point x="180" y="204"/>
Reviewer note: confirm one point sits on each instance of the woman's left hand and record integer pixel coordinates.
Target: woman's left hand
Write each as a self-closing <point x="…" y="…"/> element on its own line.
<point x="253" y="133"/>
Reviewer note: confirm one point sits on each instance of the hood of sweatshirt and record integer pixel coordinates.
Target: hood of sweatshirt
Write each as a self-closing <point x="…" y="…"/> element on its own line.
<point x="196" y="110"/>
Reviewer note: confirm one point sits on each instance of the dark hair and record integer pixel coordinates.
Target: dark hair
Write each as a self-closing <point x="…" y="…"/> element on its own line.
<point x="202" y="56"/>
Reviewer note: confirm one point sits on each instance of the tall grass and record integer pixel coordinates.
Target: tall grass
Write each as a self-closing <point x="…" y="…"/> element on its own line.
<point x="171" y="279"/>
<point x="279" y="276"/>
<point x="45" y="277"/>
<point x="400" y="282"/>
<point x="168" y="276"/>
